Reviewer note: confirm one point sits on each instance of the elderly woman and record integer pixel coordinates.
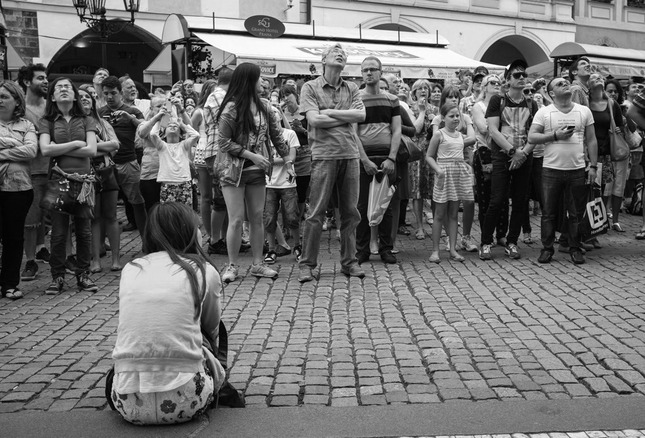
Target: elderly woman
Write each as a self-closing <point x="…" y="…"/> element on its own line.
<point x="18" y="146"/>
<point x="420" y="178"/>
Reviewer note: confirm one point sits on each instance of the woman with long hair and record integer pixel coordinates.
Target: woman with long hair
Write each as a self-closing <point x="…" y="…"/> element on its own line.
<point x="106" y="189"/>
<point x="69" y="137"/>
<point x="482" y="157"/>
<point x="204" y="172"/>
<point x="420" y="178"/>
<point x="614" y="173"/>
<point x="169" y="303"/>
<point x="245" y="125"/>
<point x="18" y="146"/>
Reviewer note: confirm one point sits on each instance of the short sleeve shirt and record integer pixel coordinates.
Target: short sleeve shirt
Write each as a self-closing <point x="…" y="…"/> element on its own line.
<point x="375" y="132"/>
<point x="564" y="154"/>
<point x="339" y="142"/>
<point x="125" y="131"/>
<point x="74" y="130"/>
<point x="514" y="119"/>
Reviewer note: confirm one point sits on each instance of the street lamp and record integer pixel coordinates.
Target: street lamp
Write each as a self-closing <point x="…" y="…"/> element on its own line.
<point x="92" y="12"/>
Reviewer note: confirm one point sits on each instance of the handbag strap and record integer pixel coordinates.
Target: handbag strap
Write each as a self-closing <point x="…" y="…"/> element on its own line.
<point x="612" y="122"/>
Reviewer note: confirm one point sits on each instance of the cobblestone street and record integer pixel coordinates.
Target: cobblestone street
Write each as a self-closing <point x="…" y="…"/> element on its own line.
<point x="411" y="333"/>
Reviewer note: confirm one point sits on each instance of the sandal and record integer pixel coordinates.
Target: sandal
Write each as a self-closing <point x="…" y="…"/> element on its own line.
<point x="297" y="251"/>
<point x="270" y="258"/>
<point x="435" y="259"/>
<point x="420" y="234"/>
<point x="640" y="235"/>
<point x="457" y="258"/>
<point x="13" y="294"/>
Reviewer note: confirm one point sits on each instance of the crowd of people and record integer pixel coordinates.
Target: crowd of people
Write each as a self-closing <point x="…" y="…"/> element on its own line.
<point x="256" y="166"/>
<point x="265" y="164"/>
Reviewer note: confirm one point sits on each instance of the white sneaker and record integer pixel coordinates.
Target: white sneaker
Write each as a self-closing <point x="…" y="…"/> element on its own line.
<point x="263" y="270"/>
<point x="230" y="273"/>
<point x="467" y="244"/>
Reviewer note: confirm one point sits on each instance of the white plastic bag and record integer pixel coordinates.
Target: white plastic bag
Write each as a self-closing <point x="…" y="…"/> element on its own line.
<point x="379" y="198"/>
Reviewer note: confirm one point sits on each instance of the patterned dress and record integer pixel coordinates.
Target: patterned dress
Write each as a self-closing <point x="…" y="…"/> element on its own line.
<point x="421" y="178"/>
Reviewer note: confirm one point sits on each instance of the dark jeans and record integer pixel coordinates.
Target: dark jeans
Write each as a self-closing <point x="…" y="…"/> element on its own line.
<point x="482" y="193"/>
<point x="363" y="232"/>
<point x="505" y="183"/>
<point x="557" y="184"/>
<point x="60" y="230"/>
<point x="13" y="211"/>
<point x="535" y="191"/>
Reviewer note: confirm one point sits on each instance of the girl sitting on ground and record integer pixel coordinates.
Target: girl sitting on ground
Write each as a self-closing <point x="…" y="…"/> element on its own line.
<point x="167" y="299"/>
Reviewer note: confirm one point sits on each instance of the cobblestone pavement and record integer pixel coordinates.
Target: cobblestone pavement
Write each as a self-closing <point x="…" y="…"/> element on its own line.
<point x="411" y="333"/>
<point x="589" y="434"/>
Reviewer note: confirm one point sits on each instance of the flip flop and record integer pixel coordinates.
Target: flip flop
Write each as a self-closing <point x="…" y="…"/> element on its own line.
<point x="96" y="270"/>
<point x="420" y="234"/>
<point x="640" y="235"/>
<point x="13" y="294"/>
<point x="435" y="259"/>
<point x="116" y="268"/>
<point x="457" y="258"/>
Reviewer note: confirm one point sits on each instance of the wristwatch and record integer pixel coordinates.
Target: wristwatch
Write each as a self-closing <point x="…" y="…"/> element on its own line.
<point x="512" y="152"/>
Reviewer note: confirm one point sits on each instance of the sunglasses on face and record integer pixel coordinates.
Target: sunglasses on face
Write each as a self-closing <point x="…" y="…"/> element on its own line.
<point x="494" y="83"/>
<point x="529" y="91"/>
<point x="370" y="70"/>
<point x="519" y="75"/>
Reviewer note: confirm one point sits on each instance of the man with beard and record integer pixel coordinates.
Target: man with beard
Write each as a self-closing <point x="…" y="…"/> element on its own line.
<point x="33" y="80"/>
<point x="131" y="96"/>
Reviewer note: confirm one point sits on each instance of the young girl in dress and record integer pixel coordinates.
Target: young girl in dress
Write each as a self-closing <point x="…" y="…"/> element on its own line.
<point x="174" y="159"/>
<point x="453" y="181"/>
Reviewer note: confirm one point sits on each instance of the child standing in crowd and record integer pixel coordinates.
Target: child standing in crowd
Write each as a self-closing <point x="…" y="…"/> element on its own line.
<point x="453" y="180"/>
<point x="282" y="194"/>
<point x="174" y="158"/>
<point x="169" y="301"/>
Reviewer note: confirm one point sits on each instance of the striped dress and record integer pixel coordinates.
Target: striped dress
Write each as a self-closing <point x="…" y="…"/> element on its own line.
<point x="457" y="184"/>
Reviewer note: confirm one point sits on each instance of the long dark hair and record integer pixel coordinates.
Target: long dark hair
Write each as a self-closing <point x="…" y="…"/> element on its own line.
<point x="242" y="92"/>
<point x="172" y="227"/>
<point x="207" y="89"/>
<point x="93" y="113"/>
<point x="449" y="91"/>
<point x="51" y="108"/>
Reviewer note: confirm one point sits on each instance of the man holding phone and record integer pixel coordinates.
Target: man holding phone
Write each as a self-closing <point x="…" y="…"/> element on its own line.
<point x="564" y="127"/>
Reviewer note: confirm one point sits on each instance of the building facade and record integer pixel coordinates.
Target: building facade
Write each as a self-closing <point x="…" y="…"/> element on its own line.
<point x="494" y="31"/>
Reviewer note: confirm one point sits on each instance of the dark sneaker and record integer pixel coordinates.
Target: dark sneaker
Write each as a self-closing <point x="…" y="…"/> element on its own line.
<point x="270" y="258"/>
<point x="31" y="268"/>
<point x="218" y="247"/>
<point x="545" y="256"/>
<point x="85" y="283"/>
<point x="512" y="251"/>
<point x="129" y="227"/>
<point x="485" y="252"/>
<point x="71" y="265"/>
<point x="577" y="257"/>
<point x="43" y="255"/>
<point x="362" y="258"/>
<point x="353" y="271"/>
<point x="388" y="257"/>
<point x="56" y="286"/>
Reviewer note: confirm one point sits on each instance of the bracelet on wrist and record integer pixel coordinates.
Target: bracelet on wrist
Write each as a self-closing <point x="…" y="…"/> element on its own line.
<point x="593" y="166"/>
<point x="391" y="159"/>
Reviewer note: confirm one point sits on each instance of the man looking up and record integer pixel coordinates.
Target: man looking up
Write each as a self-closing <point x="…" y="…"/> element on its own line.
<point x="379" y="138"/>
<point x="33" y="80"/>
<point x="508" y="124"/>
<point x="564" y="127"/>
<point x="125" y="119"/>
<point x="331" y="106"/>
<point x="579" y="73"/>
<point x="99" y="75"/>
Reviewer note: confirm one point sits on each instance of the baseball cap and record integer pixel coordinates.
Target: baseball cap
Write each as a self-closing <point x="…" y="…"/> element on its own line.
<point x="478" y="76"/>
<point x="480" y="70"/>
<point x="518" y="63"/>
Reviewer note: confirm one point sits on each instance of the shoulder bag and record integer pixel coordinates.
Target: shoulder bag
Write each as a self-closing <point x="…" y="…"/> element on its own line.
<point x="617" y="143"/>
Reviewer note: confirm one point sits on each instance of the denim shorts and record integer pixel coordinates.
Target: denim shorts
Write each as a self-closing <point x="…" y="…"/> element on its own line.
<point x="251" y="177"/>
<point x="290" y="211"/>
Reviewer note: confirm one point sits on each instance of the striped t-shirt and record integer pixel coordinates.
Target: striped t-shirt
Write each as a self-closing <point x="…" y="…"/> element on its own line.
<point x="375" y="133"/>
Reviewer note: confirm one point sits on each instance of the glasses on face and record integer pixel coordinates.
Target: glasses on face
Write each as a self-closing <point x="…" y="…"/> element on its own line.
<point x="63" y="87"/>
<point x="519" y="75"/>
<point x="528" y="91"/>
<point x="494" y="83"/>
<point x="370" y="70"/>
<point x="612" y="91"/>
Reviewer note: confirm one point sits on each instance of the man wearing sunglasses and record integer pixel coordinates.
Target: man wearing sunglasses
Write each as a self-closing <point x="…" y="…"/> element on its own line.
<point x="509" y="117"/>
<point x="564" y="127"/>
